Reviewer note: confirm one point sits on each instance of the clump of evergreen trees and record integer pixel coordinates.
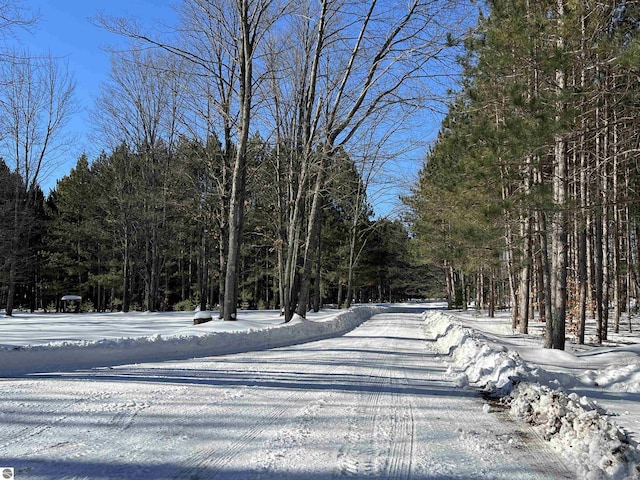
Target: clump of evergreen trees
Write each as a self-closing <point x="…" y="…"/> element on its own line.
<point x="529" y="197"/>
<point x="129" y="233"/>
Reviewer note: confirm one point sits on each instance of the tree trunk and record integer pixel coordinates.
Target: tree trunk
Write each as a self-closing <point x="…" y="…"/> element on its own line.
<point x="13" y="253"/>
<point x="317" y="294"/>
<point x="510" y="261"/>
<point x="451" y="289"/>
<point x="463" y="290"/>
<point x="606" y="219"/>
<point x="126" y="284"/>
<point x="222" y="259"/>
<point x="236" y="202"/>
<point x="351" y="265"/>
<point x="492" y="295"/>
<point x="582" y="284"/>
<point x="311" y="243"/>
<point x="560" y="217"/>
<point x="525" y="281"/>
<point x="540" y="284"/>
<point x="547" y="279"/>
<point x="11" y="291"/>
<point x="236" y="214"/>
<point x="559" y="265"/>
<point x="598" y="278"/>
<point x="203" y="273"/>
<point x="616" y="227"/>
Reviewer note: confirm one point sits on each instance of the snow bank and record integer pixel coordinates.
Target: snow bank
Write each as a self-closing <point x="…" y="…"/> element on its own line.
<point x="579" y="429"/>
<point x="617" y="378"/>
<point x="63" y="355"/>
<point x="576" y="426"/>
<point x="496" y="369"/>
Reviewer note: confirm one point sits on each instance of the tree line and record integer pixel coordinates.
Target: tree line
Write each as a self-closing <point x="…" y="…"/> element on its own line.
<point x="107" y="232"/>
<point x="239" y="147"/>
<point x="529" y="197"/>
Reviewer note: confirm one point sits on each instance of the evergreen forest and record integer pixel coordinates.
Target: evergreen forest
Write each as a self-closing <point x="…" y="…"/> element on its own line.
<point x="126" y="238"/>
<point x="529" y="197"/>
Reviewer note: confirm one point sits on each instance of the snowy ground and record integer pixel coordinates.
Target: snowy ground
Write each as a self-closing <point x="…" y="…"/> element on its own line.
<point x="373" y="403"/>
<point x="50" y="342"/>
<point x="584" y="400"/>
<point x="152" y="396"/>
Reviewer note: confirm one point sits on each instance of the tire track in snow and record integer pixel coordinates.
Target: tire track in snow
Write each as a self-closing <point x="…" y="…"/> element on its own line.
<point x="422" y="426"/>
<point x="356" y="456"/>
<point x="38" y="419"/>
<point x="68" y="431"/>
<point x="210" y="460"/>
<point x="380" y="437"/>
<point x="271" y="439"/>
<point x="401" y="454"/>
<point x="283" y="445"/>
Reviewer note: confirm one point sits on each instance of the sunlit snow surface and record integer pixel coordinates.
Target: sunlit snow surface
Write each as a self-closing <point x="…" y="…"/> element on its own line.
<point x="585" y="400"/>
<point x="56" y="328"/>
<point x="49" y="342"/>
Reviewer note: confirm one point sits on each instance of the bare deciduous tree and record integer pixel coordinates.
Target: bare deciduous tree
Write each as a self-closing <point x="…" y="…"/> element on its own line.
<point x="237" y="26"/>
<point x="356" y="63"/>
<point x="34" y="107"/>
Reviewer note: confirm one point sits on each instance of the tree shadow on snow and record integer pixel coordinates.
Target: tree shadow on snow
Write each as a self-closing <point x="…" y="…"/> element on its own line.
<point x="162" y="469"/>
<point x="366" y="382"/>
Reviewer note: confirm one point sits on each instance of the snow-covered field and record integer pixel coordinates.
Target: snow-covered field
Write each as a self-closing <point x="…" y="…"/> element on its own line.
<point x="395" y="396"/>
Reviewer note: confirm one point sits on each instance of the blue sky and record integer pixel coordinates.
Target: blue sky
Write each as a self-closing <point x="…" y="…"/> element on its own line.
<point x="64" y="29"/>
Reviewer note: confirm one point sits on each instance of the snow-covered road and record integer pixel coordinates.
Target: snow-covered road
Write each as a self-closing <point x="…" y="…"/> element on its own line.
<point x="374" y="403"/>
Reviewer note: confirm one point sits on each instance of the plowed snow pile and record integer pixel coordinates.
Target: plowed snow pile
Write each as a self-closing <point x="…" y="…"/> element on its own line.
<point x="575" y="425"/>
<point x="176" y="342"/>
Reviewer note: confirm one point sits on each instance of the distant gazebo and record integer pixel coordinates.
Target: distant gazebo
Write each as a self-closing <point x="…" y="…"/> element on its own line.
<point x="73" y="301"/>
